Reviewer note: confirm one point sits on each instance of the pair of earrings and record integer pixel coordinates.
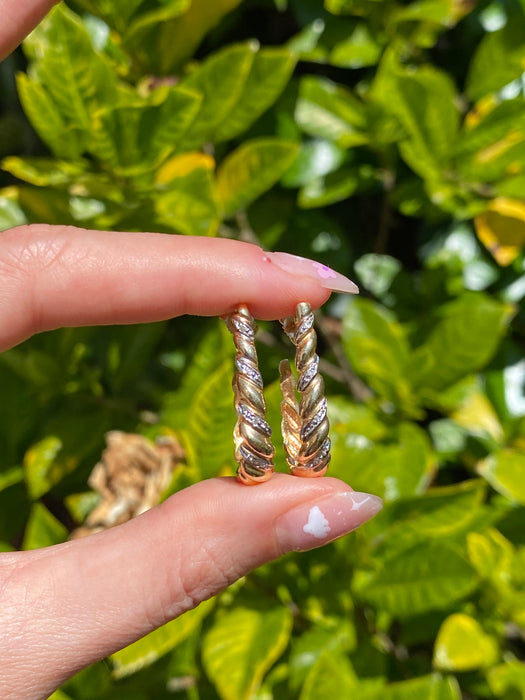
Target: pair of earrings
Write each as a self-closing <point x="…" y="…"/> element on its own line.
<point x="304" y="423"/>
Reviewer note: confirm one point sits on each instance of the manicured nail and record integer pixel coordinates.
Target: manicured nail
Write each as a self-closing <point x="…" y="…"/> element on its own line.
<point x="315" y="523"/>
<point x="303" y="267"/>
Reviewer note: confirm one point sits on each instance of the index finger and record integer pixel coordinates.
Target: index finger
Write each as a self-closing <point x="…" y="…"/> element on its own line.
<point x="55" y="276"/>
<point x="19" y="17"/>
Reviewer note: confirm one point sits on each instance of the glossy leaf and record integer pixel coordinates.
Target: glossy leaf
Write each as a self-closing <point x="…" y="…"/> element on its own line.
<point x="159" y="642"/>
<point x="464" y="338"/>
<point x="428" y="576"/>
<point x="501" y="229"/>
<point x="463" y="645"/>
<point x="163" y="44"/>
<point x="251" y="170"/>
<point x="328" y="111"/>
<point x="270" y="71"/>
<point x="331" y="676"/>
<point x="378" y="349"/>
<point x="236" y="663"/>
<point x="433" y="687"/>
<point x="187" y="201"/>
<point x="505" y="471"/>
<point x="423" y="102"/>
<point x="42" y="529"/>
<point x="220" y="80"/>
<point x="41" y="469"/>
<point x="498" y="60"/>
<point x="211" y="419"/>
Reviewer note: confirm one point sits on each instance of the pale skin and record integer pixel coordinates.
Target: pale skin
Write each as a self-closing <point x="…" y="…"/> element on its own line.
<point x="64" y="607"/>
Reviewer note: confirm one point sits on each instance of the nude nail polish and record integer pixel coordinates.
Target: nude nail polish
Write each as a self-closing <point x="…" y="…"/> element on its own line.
<point x="304" y="267"/>
<point x="315" y="523"/>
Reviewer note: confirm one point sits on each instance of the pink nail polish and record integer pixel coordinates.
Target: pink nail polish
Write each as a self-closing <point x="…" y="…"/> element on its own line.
<point x="315" y="523"/>
<point x="303" y="267"/>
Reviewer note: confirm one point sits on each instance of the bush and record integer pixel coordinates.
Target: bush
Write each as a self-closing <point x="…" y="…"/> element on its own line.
<point x="386" y="140"/>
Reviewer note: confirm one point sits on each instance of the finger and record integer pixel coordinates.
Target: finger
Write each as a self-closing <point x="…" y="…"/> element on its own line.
<point x="77" y="602"/>
<point x="62" y="276"/>
<point x="19" y="17"/>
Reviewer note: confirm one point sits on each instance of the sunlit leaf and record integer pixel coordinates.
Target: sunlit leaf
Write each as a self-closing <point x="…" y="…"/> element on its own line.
<point x="505" y="471"/>
<point x="463" y="645"/>
<point x="41" y="469"/>
<point x="331" y="112"/>
<point x="331" y="676"/>
<point x="158" y="643"/>
<point x="211" y="419"/>
<point x="498" y="60"/>
<point x="42" y="529"/>
<point x="428" y="576"/>
<point x="501" y="229"/>
<point x="236" y="663"/>
<point x="251" y="170"/>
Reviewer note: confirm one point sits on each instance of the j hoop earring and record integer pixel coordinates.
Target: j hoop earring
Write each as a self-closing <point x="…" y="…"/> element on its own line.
<point x="305" y="423"/>
<point x="252" y="434"/>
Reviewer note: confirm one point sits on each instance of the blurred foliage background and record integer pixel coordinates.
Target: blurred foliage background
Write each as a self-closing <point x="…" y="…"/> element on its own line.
<point x="385" y="139"/>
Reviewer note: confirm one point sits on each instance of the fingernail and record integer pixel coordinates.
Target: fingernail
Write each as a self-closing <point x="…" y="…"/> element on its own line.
<point x="327" y="278"/>
<point x="315" y="523"/>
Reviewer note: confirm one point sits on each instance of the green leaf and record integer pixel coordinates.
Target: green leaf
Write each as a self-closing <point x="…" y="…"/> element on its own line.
<point x="162" y="45"/>
<point x="220" y="80"/>
<point x="138" y="137"/>
<point x="236" y="662"/>
<point x="330" y="112"/>
<point x="505" y="472"/>
<point x="400" y="467"/>
<point x="213" y="349"/>
<point x="42" y="529"/>
<point x="44" y="171"/>
<point x="428" y="576"/>
<point x="462" y="645"/>
<point x="433" y="687"/>
<point x="465" y="336"/>
<point x="331" y="676"/>
<point x="423" y="100"/>
<point x="251" y="170"/>
<point x="11" y="476"/>
<point x="499" y="59"/>
<point x="187" y="202"/>
<point x="440" y="512"/>
<point x="508" y="680"/>
<point x="76" y="77"/>
<point x="211" y="419"/>
<point x="377" y="347"/>
<point x="10" y="213"/>
<point x="270" y="72"/>
<point x="156" y="644"/>
<point x="46" y="119"/>
<point x="41" y="468"/>
<point x="491" y="554"/>
<point x="492" y="142"/>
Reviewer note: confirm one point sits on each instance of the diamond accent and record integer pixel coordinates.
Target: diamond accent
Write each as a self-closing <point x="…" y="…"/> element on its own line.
<point x="254" y="420"/>
<point x="252" y="459"/>
<point x="243" y="327"/>
<point x="246" y="368"/>
<point x="306" y="324"/>
<point x="310" y="372"/>
<point x="321" y="455"/>
<point x="314" y="422"/>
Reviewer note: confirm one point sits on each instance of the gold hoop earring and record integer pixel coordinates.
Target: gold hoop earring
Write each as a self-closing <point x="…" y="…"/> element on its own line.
<point x="305" y="424"/>
<point x="252" y="434"/>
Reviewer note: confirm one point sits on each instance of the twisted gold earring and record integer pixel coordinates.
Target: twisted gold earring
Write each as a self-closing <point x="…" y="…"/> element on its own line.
<point x="253" y="447"/>
<point x="305" y="424"/>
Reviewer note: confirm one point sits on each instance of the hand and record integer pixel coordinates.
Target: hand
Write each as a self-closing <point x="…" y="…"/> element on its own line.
<point x="67" y="606"/>
<point x="64" y="607"/>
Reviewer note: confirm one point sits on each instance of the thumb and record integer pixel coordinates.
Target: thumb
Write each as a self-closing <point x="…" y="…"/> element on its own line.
<point x="85" y="599"/>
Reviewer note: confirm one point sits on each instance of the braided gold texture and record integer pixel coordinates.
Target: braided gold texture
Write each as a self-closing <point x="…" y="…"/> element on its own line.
<point x="305" y="423"/>
<point x="252" y="434"/>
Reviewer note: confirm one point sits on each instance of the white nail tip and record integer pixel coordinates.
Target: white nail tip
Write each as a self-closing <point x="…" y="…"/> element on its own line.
<point x="317" y="524"/>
